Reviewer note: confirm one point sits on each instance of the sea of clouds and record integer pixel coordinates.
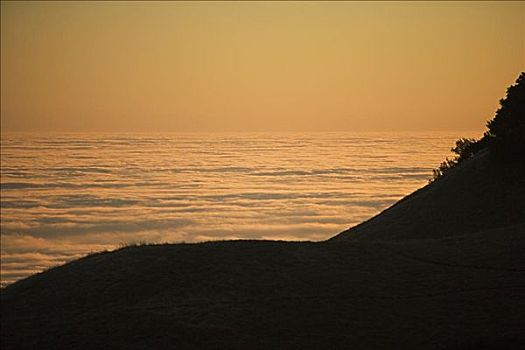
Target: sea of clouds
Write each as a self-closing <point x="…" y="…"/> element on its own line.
<point x="65" y="195"/>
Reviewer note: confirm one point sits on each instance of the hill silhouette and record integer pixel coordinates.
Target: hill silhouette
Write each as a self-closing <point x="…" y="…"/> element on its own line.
<point x="479" y="194"/>
<point x="441" y="269"/>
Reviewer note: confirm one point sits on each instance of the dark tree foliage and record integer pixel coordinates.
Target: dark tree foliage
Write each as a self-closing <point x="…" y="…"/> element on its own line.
<point x="506" y="132"/>
<point x="443" y="168"/>
<point x="505" y="137"/>
<point x="465" y="148"/>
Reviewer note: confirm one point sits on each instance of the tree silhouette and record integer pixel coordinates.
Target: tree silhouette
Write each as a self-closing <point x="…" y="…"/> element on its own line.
<point x="506" y="134"/>
<point x="505" y="137"/>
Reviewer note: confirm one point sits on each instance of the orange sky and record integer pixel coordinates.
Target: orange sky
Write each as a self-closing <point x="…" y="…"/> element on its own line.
<point x="218" y="66"/>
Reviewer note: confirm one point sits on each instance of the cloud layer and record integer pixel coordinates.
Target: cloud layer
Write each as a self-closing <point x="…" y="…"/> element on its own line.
<point x="66" y="195"/>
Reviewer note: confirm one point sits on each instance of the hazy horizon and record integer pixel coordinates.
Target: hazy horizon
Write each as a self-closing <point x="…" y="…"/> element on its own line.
<point x="239" y="66"/>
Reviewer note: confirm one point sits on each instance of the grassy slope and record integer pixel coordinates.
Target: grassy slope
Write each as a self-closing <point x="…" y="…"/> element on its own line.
<point x="461" y="291"/>
<point x="477" y="195"/>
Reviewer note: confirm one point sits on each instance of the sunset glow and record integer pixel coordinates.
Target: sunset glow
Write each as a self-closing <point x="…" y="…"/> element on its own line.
<point x="255" y="66"/>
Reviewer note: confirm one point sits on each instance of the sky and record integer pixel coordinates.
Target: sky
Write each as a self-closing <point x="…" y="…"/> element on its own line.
<point x="256" y="66"/>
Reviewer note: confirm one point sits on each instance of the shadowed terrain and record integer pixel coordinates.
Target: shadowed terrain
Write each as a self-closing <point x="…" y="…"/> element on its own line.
<point x="479" y="195"/>
<point x="442" y="269"/>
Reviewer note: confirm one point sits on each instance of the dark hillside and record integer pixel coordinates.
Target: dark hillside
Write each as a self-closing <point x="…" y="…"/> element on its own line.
<point x="454" y="293"/>
<point x="480" y="193"/>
